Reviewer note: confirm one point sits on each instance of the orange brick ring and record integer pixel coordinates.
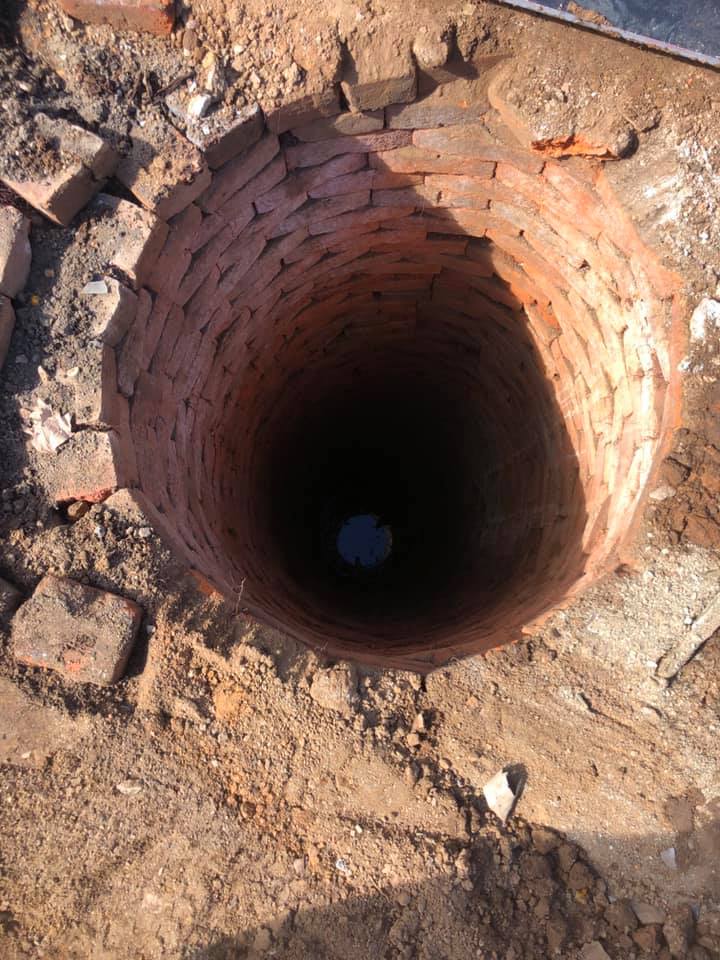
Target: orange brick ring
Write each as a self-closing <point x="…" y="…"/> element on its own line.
<point x="434" y="328"/>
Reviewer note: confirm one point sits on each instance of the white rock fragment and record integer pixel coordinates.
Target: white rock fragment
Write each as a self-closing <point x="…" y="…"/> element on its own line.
<point x="129" y="788"/>
<point x="198" y="105"/>
<point x="668" y="858"/>
<point x="498" y="795"/>
<point x="663" y="492"/>
<point x="97" y="287"/>
<point x="706" y="314"/>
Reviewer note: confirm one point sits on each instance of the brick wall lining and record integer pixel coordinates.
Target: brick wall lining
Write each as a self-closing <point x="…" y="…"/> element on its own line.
<point x="432" y="245"/>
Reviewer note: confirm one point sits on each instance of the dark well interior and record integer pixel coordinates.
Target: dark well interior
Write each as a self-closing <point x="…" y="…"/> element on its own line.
<point x="440" y="422"/>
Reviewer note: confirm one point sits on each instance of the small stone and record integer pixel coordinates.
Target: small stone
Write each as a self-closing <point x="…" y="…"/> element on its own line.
<point x="580" y="878"/>
<point x="77" y="510"/>
<point x="15" y="253"/>
<point x="129" y="788"/>
<point x="649" y="939"/>
<point x="646" y="913"/>
<point x="594" y="951"/>
<point x="198" y="105"/>
<point x="96" y="287"/>
<point x="663" y="492"/>
<point x="621" y="916"/>
<point x="668" y="858"/>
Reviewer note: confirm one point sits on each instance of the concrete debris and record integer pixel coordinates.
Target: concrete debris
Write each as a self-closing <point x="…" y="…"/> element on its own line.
<point x="498" y="795"/>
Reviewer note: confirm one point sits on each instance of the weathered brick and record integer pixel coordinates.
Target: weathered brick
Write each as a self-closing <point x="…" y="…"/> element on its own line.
<point x="474" y="142"/>
<point x="344" y="124"/>
<point x="312" y="154"/>
<point x="84" y="468"/>
<point x="412" y="159"/>
<point x="458" y="102"/>
<point x="226" y="133"/>
<point x="139" y="237"/>
<point x="83" y="633"/>
<point x="149" y="16"/>
<point x="163" y="169"/>
<point x="15" y="252"/>
<point x="87" y="161"/>
<point x="307" y="109"/>
<point x="239" y="171"/>
<point x="7" y="325"/>
<point x="113" y="311"/>
<point x="317" y="210"/>
<point x="379" y="73"/>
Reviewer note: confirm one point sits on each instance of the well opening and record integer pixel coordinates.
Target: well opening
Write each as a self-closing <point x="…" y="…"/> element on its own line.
<point x="428" y="328"/>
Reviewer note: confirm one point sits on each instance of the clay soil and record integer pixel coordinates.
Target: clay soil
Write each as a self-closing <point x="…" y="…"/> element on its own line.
<point x="235" y="796"/>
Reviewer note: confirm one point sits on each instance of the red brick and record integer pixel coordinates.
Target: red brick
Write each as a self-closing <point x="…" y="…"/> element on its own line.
<point x="239" y="171"/>
<point x="306" y="109"/>
<point x="84" y="468"/>
<point x="312" y="154"/>
<point x="359" y="218"/>
<point x="412" y="159"/>
<point x="315" y="211"/>
<point x="113" y="312"/>
<point x="83" y="633"/>
<point x="148" y="16"/>
<point x="461" y="101"/>
<point x="139" y="237"/>
<point x="344" y="124"/>
<point x="15" y="252"/>
<point x="474" y="142"/>
<point x="229" y="132"/>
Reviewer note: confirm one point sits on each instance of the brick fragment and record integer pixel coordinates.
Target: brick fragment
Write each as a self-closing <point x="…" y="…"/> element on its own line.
<point x="147" y="16"/>
<point x="379" y="73"/>
<point x="83" y="633"/>
<point x="345" y="124"/>
<point x="86" y="161"/>
<point x="312" y="154"/>
<point x="7" y="325"/>
<point x="307" y="109"/>
<point x="226" y="133"/>
<point x="139" y="237"/>
<point x="84" y="468"/>
<point x="448" y="104"/>
<point x="15" y="252"/>
<point x="113" y="311"/>
<point x="163" y="169"/>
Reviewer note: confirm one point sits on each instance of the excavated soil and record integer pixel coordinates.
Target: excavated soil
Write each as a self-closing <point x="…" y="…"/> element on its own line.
<point x="235" y="795"/>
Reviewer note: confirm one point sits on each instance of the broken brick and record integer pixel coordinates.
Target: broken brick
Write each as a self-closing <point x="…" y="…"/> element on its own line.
<point x="148" y="16"/>
<point x="83" y="633"/>
<point x="15" y="253"/>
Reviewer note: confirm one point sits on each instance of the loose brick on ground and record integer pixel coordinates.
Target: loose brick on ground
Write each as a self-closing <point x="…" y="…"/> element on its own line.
<point x="15" y="252"/>
<point x="83" y="633"/>
<point x="148" y="16"/>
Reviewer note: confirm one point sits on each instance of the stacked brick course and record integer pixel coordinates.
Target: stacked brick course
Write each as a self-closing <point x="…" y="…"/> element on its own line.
<point x="301" y="257"/>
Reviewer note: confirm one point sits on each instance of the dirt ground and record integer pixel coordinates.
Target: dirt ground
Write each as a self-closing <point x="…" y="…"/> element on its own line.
<point x="236" y="797"/>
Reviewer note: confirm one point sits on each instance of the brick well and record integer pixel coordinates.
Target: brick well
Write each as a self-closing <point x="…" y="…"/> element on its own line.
<point x="435" y="325"/>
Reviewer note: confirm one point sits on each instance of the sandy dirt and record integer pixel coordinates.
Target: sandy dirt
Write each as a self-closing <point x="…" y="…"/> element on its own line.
<point x="234" y="796"/>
